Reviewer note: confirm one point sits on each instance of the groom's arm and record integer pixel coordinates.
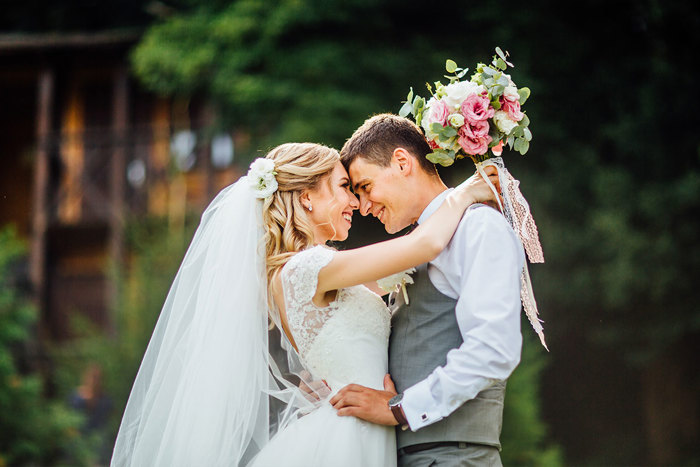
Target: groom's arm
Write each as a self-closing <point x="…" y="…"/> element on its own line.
<point x="488" y="259"/>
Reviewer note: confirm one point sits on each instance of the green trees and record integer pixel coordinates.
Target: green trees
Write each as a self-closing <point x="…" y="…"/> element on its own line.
<point x="612" y="174"/>
<point x="34" y="429"/>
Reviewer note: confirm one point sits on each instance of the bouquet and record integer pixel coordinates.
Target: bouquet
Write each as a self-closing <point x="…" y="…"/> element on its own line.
<point x="476" y="119"/>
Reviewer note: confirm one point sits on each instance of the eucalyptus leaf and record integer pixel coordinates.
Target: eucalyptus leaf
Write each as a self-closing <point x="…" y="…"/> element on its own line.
<point x="450" y="66"/>
<point x="501" y="64"/>
<point x="490" y="71"/>
<point x="525" y="121"/>
<point x="436" y="128"/>
<point x="442" y="157"/>
<point x="418" y="105"/>
<point x="521" y="145"/>
<point x="409" y="98"/>
<point x="524" y="149"/>
<point x="503" y="80"/>
<point x="500" y="53"/>
<point x="518" y="132"/>
<point x="406" y="109"/>
<point x="510" y="141"/>
<point x="527" y="133"/>
<point x="449" y="131"/>
<point x="524" y="93"/>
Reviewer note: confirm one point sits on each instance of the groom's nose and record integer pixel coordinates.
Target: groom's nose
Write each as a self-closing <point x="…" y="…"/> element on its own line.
<point x="365" y="205"/>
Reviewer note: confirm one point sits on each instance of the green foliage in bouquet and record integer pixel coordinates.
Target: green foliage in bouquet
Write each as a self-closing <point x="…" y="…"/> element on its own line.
<point x="461" y="133"/>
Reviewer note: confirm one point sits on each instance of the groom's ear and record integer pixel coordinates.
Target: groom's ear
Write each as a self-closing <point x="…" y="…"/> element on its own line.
<point x="404" y="161"/>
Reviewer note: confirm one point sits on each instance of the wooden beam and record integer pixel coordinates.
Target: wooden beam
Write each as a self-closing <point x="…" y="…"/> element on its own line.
<point x="40" y="211"/>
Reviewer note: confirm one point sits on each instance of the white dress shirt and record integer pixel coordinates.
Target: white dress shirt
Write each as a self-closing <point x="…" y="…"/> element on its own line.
<point x="480" y="268"/>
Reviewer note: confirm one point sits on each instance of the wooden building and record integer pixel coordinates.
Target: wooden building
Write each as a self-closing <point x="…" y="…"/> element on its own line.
<point x="83" y="148"/>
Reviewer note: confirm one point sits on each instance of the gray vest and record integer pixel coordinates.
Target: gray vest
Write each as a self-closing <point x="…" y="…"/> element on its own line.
<point x="422" y="334"/>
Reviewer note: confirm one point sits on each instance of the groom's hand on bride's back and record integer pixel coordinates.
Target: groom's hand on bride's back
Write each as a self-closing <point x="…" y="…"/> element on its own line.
<point x="368" y="404"/>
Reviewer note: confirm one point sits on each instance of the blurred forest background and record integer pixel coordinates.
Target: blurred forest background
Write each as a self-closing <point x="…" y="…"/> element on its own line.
<point x="612" y="177"/>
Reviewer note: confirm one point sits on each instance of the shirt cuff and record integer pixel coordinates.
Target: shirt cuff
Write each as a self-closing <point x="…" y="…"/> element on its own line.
<point x="415" y="404"/>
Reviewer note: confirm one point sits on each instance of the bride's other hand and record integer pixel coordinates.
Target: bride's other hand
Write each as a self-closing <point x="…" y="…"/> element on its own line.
<point x="313" y="390"/>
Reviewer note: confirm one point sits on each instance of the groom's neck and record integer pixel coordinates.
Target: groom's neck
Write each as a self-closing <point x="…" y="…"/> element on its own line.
<point x="427" y="188"/>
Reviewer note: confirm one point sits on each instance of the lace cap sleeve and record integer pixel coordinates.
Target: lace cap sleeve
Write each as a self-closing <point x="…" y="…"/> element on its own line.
<point x="300" y="275"/>
<point x="299" y="282"/>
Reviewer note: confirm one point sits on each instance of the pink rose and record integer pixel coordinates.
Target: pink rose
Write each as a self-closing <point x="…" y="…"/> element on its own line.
<point x="473" y="145"/>
<point x="512" y="108"/>
<point x="477" y="129"/>
<point x="476" y="108"/>
<point x="439" y="112"/>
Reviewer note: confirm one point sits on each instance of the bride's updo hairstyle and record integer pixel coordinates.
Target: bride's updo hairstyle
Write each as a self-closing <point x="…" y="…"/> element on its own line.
<point x="288" y="229"/>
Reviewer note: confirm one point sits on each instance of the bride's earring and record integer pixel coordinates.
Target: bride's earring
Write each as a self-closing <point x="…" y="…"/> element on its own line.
<point x="310" y="208"/>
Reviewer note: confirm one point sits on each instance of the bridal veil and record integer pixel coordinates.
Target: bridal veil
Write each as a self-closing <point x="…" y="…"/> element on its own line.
<point x="208" y="391"/>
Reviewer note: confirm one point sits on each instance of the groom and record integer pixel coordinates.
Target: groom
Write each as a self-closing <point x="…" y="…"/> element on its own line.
<point x="457" y="340"/>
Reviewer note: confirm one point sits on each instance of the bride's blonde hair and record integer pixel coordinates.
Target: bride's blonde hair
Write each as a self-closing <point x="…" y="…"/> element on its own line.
<point x="288" y="229"/>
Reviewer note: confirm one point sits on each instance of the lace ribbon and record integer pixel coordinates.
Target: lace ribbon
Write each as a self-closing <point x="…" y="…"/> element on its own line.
<point x="517" y="212"/>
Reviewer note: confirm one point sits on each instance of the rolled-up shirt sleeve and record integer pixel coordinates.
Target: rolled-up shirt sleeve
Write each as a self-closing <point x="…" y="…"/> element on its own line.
<point x="485" y="260"/>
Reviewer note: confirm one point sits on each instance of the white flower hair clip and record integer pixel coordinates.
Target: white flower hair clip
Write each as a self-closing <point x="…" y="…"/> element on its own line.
<point x="261" y="176"/>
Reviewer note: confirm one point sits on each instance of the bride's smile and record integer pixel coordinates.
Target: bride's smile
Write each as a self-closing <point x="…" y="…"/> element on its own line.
<point x="332" y="205"/>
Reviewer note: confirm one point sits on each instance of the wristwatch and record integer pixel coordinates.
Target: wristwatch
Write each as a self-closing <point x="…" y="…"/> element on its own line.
<point x="395" y="406"/>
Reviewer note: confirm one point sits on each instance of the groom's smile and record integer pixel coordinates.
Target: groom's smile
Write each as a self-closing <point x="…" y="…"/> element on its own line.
<point x="381" y="193"/>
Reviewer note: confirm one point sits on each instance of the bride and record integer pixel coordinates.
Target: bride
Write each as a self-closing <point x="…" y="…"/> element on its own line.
<point x="211" y="389"/>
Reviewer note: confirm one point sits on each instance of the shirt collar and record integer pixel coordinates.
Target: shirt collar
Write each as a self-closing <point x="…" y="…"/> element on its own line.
<point x="433" y="205"/>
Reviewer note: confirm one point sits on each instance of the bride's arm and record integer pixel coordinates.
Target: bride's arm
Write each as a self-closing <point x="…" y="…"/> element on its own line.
<point x="373" y="262"/>
<point x="374" y="287"/>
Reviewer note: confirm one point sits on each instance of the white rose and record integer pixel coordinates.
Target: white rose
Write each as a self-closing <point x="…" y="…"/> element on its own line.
<point x="261" y="166"/>
<point x="389" y="284"/>
<point x="511" y="93"/>
<point x="503" y="122"/>
<point x="261" y="177"/>
<point x="456" y="93"/>
<point x="456" y="120"/>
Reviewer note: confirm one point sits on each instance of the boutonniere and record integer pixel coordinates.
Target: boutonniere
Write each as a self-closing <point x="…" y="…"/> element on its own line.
<point x="395" y="281"/>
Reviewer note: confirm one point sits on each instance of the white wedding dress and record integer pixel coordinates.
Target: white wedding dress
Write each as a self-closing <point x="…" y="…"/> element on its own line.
<point x="345" y="342"/>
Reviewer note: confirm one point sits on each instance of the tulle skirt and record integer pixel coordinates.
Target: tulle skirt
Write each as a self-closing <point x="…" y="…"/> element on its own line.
<point x="322" y="438"/>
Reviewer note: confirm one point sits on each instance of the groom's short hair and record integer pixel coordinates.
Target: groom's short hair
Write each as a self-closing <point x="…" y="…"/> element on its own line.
<point x="378" y="137"/>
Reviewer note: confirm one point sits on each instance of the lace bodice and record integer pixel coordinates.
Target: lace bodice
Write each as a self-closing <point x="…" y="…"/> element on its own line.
<point x="345" y="341"/>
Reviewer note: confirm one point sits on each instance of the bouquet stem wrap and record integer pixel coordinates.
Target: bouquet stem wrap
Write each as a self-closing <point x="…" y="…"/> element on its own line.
<point x="517" y="212"/>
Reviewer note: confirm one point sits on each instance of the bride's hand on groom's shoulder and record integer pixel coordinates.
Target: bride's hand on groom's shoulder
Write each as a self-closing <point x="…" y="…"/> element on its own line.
<point x="365" y="403"/>
<point x="478" y="190"/>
